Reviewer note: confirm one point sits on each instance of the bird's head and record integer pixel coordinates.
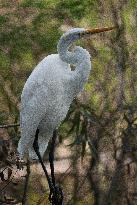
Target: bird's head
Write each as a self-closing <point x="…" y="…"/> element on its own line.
<point x="78" y="33"/>
<point x="71" y="36"/>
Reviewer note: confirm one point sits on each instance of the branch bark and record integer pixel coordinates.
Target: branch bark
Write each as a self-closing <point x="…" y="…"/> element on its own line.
<point x="10" y="125"/>
<point x="24" y="199"/>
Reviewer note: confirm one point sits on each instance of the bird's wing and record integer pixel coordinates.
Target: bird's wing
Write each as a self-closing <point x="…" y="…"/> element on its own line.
<point x="33" y="106"/>
<point x="32" y="112"/>
<point x="29" y="89"/>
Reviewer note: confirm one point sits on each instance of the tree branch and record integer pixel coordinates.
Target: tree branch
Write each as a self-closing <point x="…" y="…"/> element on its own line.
<point x="24" y="199"/>
<point x="10" y="125"/>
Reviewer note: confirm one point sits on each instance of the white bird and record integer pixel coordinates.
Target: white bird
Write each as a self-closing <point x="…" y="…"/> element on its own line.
<point x="50" y="89"/>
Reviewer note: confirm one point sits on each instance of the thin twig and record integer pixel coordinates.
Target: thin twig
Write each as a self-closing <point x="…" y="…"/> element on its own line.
<point x="24" y="199"/>
<point x="8" y="183"/>
<point x="8" y="202"/>
<point x="10" y="125"/>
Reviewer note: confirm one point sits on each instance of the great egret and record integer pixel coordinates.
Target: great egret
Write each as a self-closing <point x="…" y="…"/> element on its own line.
<point x="50" y="89"/>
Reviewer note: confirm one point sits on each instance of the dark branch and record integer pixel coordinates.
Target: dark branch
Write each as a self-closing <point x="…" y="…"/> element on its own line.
<point x="7" y="184"/>
<point x="8" y="202"/>
<point x="10" y="125"/>
<point x="24" y="199"/>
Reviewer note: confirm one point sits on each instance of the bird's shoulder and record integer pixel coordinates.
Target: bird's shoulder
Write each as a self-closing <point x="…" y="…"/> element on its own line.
<point x="55" y="63"/>
<point x="50" y="66"/>
<point x="49" y="75"/>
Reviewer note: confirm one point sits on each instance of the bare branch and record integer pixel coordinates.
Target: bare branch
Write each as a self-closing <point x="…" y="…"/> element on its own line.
<point x="9" y="202"/>
<point x="24" y="199"/>
<point x="10" y="125"/>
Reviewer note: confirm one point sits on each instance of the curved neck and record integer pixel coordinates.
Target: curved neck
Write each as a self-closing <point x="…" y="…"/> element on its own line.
<point x="79" y="57"/>
<point x="63" y="46"/>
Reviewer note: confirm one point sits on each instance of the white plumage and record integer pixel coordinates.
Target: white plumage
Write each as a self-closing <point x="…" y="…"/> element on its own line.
<point x="49" y="91"/>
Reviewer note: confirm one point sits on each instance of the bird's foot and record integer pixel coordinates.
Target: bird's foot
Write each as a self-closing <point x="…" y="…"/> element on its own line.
<point x="56" y="195"/>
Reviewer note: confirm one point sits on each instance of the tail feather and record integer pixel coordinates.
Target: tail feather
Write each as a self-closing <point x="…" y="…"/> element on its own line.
<point x="27" y="149"/>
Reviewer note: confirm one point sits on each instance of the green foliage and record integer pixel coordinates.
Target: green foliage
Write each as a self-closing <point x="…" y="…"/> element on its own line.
<point x="33" y="3"/>
<point x="44" y="33"/>
<point x="3" y="116"/>
<point x="4" y="61"/>
<point x="3" y="19"/>
<point x="33" y="197"/>
<point x="41" y="4"/>
<point x="75" y="9"/>
<point x="27" y="60"/>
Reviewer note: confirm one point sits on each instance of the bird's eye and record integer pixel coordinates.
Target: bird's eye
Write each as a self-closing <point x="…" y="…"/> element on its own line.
<point x="81" y="35"/>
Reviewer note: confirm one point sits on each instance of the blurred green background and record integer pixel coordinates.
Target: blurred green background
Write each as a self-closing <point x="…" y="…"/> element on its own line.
<point x="101" y="126"/>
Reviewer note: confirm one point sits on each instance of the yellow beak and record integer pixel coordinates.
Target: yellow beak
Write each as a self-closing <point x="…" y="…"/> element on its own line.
<point x="98" y="30"/>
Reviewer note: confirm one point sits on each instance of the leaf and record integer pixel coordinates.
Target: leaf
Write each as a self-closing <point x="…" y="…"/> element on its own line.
<point x="2" y="176"/>
<point x="83" y="151"/>
<point x="68" y="115"/>
<point x="71" y="129"/>
<point x="93" y="150"/>
<point x="77" y="141"/>
<point x="77" y="120"/>
<point x="9" y="173"/>
<point x="18" y="164"/>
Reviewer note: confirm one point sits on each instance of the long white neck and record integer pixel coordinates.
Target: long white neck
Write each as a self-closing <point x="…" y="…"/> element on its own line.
<point x="79" y="57"/>
<point x="64" y="43"/>
<point x="82" y="70"/>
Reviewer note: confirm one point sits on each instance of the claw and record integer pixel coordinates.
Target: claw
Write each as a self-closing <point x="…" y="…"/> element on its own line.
<point x="56" y="195"/>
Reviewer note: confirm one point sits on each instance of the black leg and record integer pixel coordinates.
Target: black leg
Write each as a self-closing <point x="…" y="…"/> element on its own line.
<point x="56" y="194"/>
<point x="36" y="148"/>
<point x="57" y="197"/>
<point x="51" y="156"/>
